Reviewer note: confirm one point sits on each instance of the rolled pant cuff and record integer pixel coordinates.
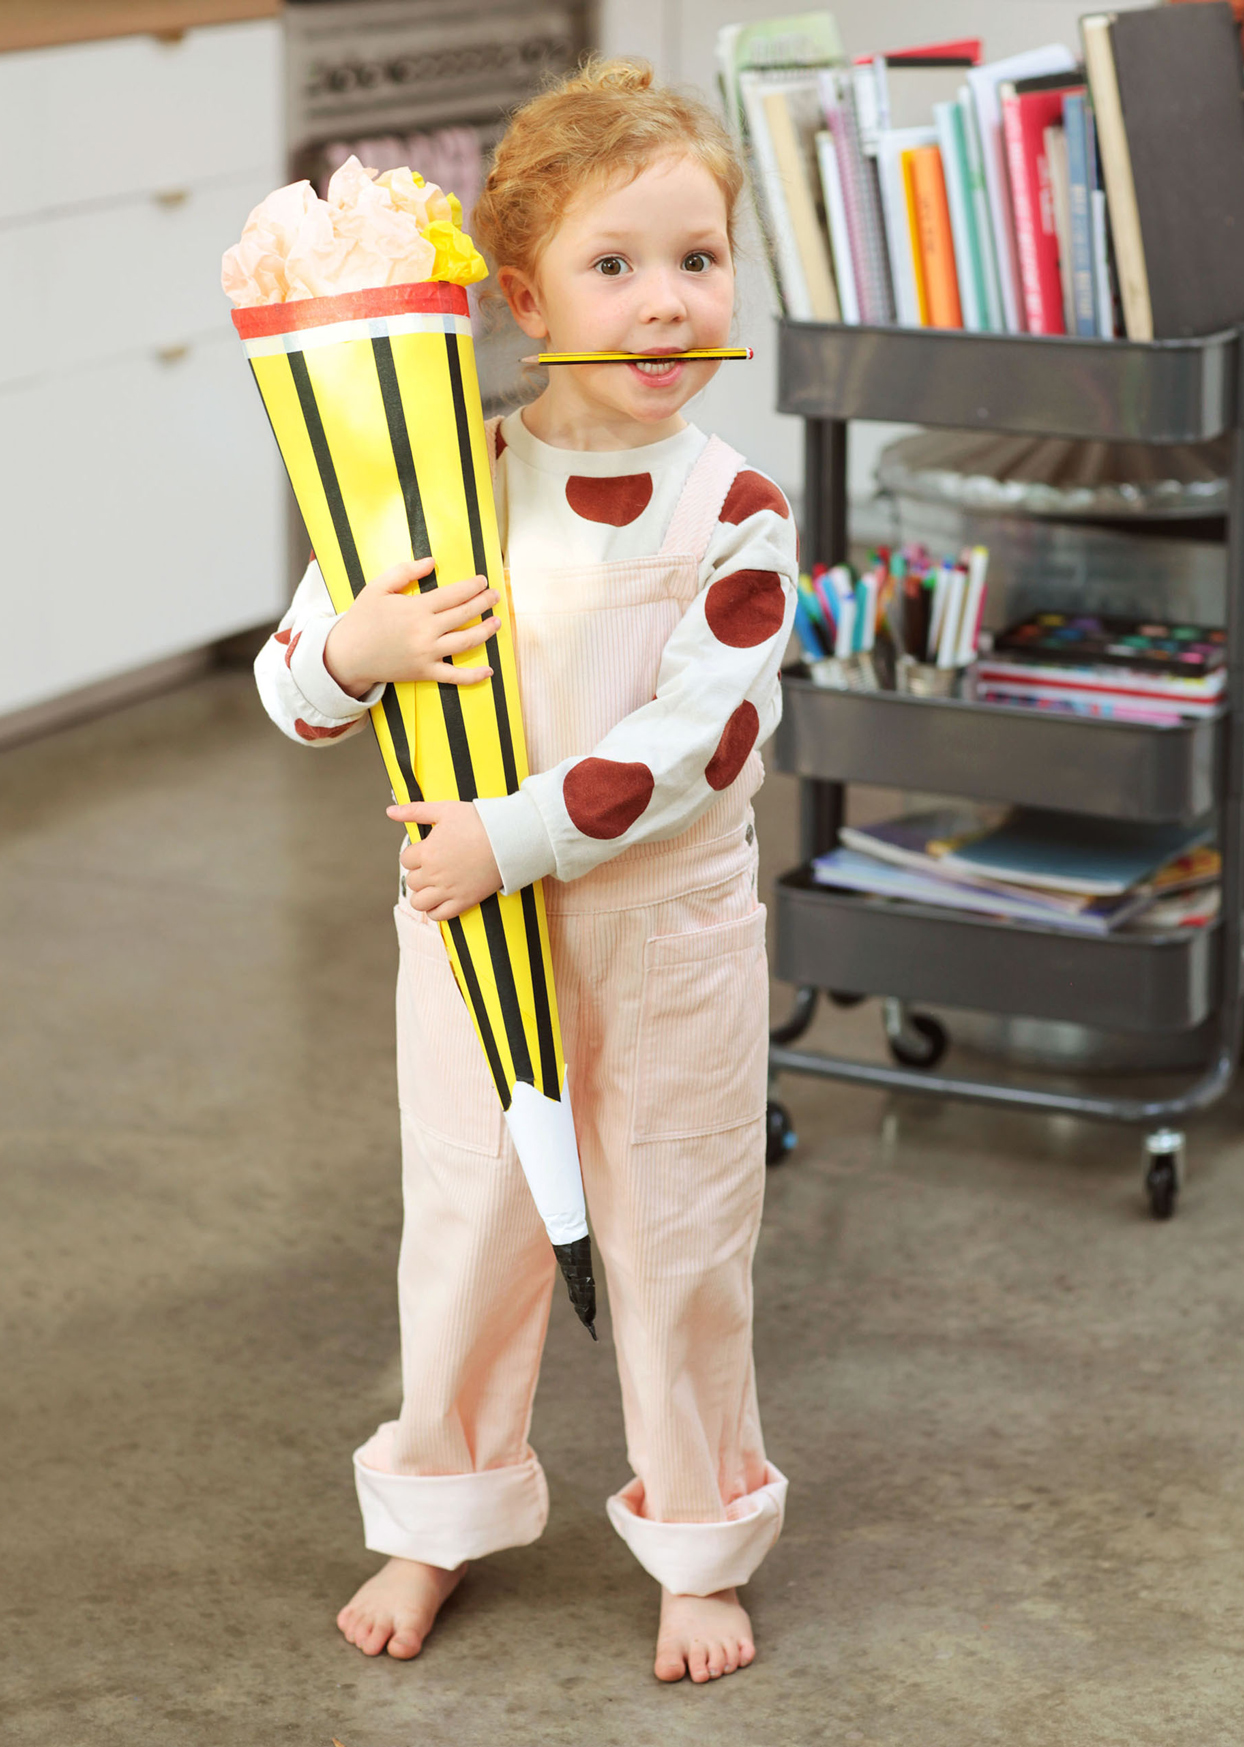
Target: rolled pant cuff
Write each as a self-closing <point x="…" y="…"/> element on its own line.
<point x="701" y="1558"/>
<point x="442" y="1519"/>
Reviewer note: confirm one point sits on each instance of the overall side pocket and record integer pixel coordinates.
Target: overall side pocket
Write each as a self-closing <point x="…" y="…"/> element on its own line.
<point x="443" y="1081"/>
<point x="702" y="1056"/>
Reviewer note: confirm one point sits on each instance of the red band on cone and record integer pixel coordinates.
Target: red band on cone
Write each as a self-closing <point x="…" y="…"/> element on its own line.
<point x="432" y="297"/>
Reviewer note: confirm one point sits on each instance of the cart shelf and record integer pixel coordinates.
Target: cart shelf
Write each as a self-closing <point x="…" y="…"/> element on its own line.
<point x="1135" y="982"/>
<point x="1167" y="391"/>
<point x="993" y="752"/>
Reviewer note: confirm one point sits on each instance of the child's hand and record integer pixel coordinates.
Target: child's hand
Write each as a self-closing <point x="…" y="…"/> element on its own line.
<point x="453" y="867"/>
<point x="388" y="635"/>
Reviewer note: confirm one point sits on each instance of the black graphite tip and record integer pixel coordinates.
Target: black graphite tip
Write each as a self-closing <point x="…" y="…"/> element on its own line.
<point x="575" y="1261"/>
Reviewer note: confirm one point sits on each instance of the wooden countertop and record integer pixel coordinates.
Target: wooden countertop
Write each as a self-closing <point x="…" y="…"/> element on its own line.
<point x="35" y="24"/>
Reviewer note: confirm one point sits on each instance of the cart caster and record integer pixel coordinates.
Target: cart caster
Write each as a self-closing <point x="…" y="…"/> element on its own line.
<point x="916" y="1040"/>
<point x="780" y="1134"/>
<point x="1164" y="1170"/>
<point x="840" y="998"/>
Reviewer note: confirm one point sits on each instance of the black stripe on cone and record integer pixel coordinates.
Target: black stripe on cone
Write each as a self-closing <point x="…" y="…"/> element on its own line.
<point x="549" y="1083"/>
<point x="575" y="1262"/>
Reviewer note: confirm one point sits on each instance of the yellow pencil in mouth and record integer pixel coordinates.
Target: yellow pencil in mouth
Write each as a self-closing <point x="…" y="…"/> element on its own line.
<point x="718" y="354"/>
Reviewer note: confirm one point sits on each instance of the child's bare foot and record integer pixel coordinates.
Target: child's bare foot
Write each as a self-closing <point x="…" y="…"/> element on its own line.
<point x="398" y="1607"/>
<point x="704" y="1636"/>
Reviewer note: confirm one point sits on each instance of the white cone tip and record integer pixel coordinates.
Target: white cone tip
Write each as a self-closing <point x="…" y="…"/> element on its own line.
<point x="542" y="1130"/>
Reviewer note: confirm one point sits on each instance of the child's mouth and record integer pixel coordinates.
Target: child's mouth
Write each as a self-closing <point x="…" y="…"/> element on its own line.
<point x="660" y="372"/>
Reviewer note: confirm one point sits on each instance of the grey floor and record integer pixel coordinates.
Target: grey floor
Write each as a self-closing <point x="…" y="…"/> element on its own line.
<point x="1009" y="1403"/>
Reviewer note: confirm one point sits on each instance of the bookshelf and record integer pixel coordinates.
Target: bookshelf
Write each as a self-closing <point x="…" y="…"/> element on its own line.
<point x="856" y="946"/>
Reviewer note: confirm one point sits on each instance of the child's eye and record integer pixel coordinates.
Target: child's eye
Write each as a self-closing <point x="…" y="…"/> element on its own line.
<point x="698" y="261"/>
<point x="612" y="266"/>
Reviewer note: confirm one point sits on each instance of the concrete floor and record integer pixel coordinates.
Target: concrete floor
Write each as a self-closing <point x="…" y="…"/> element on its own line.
<point x="1009" y="1403"/>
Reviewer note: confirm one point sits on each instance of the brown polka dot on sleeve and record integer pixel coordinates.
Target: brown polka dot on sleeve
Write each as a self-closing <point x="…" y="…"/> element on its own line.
<point x="613" y="501"/>
<point x="500" y="443"/>
<point x="293" y="644"/>
<point x="745" y="608"/>
<point x="605" y="797"/>
<point x="750" y="493"/>
<point x="282" y="636"/>
<point x="736" y="742"/>
<point x="305" y="731"/>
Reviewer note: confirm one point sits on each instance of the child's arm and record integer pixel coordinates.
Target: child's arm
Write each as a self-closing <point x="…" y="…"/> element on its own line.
<point x="321" y="671"/>
<point x="661" y="767"/>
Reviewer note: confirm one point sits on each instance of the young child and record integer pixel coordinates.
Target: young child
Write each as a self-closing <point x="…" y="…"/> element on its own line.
<point x="653" y="579"/>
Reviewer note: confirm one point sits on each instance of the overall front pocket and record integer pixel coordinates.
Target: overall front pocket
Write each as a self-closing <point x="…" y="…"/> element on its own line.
<point x="443" y="1081"/>
<point x="702" y="1056"/>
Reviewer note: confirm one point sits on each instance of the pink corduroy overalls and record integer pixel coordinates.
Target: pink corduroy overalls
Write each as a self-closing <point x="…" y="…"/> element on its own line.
<point x="659" y="959"/>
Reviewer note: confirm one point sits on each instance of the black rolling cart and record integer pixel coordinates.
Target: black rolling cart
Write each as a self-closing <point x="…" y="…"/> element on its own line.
<point x="830" y="940"/>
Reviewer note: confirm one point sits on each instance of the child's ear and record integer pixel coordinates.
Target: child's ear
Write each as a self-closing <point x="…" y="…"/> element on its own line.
<point x="524" y="302"/>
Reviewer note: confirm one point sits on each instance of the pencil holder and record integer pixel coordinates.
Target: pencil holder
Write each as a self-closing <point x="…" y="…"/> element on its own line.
<point x="845" y="673"/>
<point x="920" y="679"/>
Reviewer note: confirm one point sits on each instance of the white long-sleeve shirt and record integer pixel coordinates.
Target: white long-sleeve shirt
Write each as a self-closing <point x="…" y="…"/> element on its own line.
<point x="717" y="691"/>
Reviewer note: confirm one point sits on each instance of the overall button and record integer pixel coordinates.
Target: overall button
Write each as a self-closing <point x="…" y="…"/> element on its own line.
<point x="749" y="836"/>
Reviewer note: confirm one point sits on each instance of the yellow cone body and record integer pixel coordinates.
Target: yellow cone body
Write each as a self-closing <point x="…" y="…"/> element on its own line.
<point x="374" y="401"/>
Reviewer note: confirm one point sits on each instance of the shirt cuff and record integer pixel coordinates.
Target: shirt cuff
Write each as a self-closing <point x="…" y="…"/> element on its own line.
<point x="521" y="845"/>
<point x="316" y="683"/>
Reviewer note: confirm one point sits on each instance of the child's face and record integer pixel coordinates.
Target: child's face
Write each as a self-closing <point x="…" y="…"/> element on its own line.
<point x="641" y="267"/>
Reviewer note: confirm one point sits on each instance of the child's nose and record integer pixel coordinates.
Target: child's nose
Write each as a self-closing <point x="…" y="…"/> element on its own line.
<point x="662" y="298"/>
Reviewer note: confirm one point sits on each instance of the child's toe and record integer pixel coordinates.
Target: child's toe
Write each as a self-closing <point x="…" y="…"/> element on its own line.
<point x="747" y="1652"/>
<point x="372" y="1637"/>
<point x="670" y="1663"/>
<point x="697" y="1663"/>
<point x="406" y="1641"/>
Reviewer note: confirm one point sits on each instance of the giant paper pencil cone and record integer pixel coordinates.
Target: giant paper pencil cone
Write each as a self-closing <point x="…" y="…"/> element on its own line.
<point x="374" y="402"/>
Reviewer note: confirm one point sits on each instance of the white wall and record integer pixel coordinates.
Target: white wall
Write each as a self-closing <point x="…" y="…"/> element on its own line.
<point x="677" y="36"/>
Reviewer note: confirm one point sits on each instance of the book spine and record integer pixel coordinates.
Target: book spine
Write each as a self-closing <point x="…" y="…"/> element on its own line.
<point x="808" y="234"/>
<point x="898" y="233"/>
<point x="910" y="206"/>
<point x="836" y="218"/>
<point x="849" y="176"/>
<point x="1060" y="190"/>
<point x="788" y="268"/>
<point x="1035" y="234"/>
<point x="978" y="195"/>
<point x="1103" y="284"/>
<point x="868" y="239"/>
<point x="1083" y="297"/>
<point x="946" y="117"/>
<point x="937" y="251"/>
<point x="1116" y="164"/>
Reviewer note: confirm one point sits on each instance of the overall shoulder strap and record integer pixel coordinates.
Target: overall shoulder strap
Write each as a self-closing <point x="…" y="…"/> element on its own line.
<point x="696" y="513"/>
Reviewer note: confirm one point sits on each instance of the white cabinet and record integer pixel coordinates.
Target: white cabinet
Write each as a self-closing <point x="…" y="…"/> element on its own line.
<point x="140" y="490"/>
<point x="104" y="120"/>
<point x="138" y="275"/>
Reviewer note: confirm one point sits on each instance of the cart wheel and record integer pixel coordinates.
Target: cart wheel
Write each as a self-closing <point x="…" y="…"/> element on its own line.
<point x="1164" y="1170"/>
<point x="840" y="998"/>
<point x="780" y="1134"/>
<point x="922" y="1042"/>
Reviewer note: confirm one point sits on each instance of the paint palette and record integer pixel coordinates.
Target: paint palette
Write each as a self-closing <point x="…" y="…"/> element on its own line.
<point x="1079" y="638"/>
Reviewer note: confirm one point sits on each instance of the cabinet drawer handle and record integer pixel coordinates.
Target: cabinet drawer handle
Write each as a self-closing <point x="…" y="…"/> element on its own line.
<point x="170" y="197"/>
<point x="172" y="354"/>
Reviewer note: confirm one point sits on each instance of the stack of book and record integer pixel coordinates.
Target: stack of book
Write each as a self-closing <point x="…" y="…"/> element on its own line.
<point x="1023" y="864"/>
<point x="1131" y="670"/>
<point x="928" y="188"/>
